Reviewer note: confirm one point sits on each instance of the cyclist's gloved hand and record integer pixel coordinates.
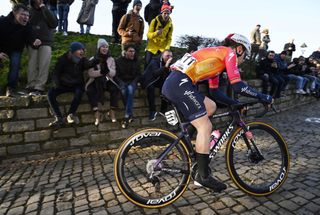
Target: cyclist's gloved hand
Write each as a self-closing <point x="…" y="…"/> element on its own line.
<point x="266" y="98"/>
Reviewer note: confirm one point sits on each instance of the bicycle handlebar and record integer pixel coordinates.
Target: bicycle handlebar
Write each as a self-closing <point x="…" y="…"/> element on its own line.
<point x="243" y="107"/>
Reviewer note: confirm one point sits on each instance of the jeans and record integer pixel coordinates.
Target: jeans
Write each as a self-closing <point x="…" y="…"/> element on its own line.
<point x="54" y="9"/>
<point x="149" y="56"/>
<point x="300" y="81"/>
<point x="127" y="91"/>
<point x="63" y="11"/>
<point x="82" y="29"/>
<point x="14" y="67"/>
<point x="55" y="92"/>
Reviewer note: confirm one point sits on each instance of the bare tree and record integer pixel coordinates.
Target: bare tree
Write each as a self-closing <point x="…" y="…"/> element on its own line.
<point x="193" y="43"/>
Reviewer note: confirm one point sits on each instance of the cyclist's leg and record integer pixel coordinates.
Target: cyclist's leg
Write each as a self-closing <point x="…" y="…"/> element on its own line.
<point x="204" y="128"/>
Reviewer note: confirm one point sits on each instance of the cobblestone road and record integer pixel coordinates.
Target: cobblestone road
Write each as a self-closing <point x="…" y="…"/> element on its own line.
<point x="84" y="183"/>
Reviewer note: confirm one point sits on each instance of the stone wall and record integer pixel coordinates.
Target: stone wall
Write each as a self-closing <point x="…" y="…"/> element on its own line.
<point x="24" y="131"/>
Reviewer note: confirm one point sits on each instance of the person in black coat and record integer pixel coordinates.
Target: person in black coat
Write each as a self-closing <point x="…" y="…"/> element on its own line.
<point x="127" y="76"/>
<point x="153" y="8"/>
<point x="16" y="33"/>
<point x="68" y="77"/>
<point x="267" y="72"/>
<point x="154" y="76"/>
<point x="119" y="8"/>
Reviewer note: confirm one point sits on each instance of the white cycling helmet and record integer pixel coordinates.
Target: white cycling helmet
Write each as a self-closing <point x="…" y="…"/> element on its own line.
<point x="238" y="38"/>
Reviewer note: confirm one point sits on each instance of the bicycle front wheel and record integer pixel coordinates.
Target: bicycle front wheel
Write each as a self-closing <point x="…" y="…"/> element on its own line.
<point x="142" y="181"/>
<point x="258" y="173"/>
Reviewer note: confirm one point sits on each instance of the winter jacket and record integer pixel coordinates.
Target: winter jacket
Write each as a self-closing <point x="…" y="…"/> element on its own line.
<point x="151" y="10"/>
<point x="14" y="37"/>
<point x="95" y="73"/>
<point x="67" y="73"/>
<point x="86" y="14"/>
<point x="264" y="66"/>
<point x="120" y="5"/>
<point x="135" y="24"/>
<point x="43" y="21"/>
<point x="265" y="41"/>
<point x="159" y="42"/>
<point x="282" y="64"/>
<point x="127" y="70"/>
<point x="155" y="71"/>
<point x="289" y="48"/>
<point x="255" y="36"/>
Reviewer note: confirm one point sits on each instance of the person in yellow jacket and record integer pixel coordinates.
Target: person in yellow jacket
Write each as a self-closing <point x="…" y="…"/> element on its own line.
<point x="159" y="34"/>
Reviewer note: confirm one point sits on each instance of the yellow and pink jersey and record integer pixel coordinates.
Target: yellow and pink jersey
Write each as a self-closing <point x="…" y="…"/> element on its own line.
<point x="208" y="63"/>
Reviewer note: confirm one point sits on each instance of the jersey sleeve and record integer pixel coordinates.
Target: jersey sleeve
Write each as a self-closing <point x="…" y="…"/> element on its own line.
<point x="214" y="82"/>
<point x="231" y="67"/>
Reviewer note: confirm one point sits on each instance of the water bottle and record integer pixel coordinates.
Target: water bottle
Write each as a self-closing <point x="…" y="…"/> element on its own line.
<point x="216" y="135"/>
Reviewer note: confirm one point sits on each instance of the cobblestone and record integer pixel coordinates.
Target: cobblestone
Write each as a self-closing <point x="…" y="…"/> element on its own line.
<point x="83" y="184"/>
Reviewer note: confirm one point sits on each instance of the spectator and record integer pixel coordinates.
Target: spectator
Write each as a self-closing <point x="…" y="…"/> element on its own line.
<point x="131" y="28"/>
<point x="63" y="11"/>
<point x="316" y="54"/>
<point x="153" y="9"/>
<point x="86" y="15"/>
<point x="255" y="42"/>
<point x="68" y="77"/>
<point x="291" y="71"/>
<point x="16" y="32"/>
<point x="127" y="76"/>
<point x="306" y="72"/>
<point x="98" y="82"/>
<point x="159" y="34"/>
<point x="282" y="69"/>
<point x="267" y="72"/>
<point x="264" y="44"/>
<point x="43" y="21"/>
<point x="119" y="9"/>
<point x="52" y="4"/>
<point x="289" y="47"/>
<point x="154" y="76"/>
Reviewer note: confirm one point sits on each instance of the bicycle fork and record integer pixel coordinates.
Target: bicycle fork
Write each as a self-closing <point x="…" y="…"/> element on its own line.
<point x="254" y="154"/>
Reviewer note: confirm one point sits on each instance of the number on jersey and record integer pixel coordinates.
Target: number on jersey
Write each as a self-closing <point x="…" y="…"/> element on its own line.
<point x="184" y="63"/>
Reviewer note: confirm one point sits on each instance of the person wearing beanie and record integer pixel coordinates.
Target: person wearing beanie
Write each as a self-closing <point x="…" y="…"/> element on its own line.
<point x="100" y="78"/>
<point x="68" y="78"/>
<point x="159" y="34"/>
<point x="102" y="42"/>
<point x="135" y="2"/>
<point x="131" y="28"/>
<point x="166" y="8"/>
<point x="119" y="8"/>
<point x="75" y="46"/>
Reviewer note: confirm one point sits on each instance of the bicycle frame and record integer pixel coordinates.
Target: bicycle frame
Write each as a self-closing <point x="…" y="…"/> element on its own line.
<point x="236" y="121"/>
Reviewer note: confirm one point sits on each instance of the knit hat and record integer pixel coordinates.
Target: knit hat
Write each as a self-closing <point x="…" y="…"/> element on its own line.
<point x="135" y="2"/>
<point x="75" y="46"/>
<point x="166" y="7"/>
<point x="102" y="42"/>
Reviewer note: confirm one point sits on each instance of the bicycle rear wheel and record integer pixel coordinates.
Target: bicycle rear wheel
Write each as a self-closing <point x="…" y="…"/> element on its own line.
<point x="136" y="175"/>
<point x="258" y="176"/>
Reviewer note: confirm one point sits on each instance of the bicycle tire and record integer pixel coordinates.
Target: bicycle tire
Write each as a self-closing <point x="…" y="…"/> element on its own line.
<point x="253" y="176"/>
<point x="134" y="162"/>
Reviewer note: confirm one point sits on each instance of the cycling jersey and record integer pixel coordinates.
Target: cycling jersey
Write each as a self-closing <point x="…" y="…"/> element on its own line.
<point x="208" y="63"/>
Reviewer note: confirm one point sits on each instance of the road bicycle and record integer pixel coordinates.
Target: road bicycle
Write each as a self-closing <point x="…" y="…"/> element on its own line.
<point x="153" y="167"/>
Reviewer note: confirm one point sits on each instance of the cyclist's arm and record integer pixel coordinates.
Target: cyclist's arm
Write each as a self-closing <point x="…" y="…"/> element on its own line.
<point x="217" y="94"/>
<point x="245" y="90"/>
<point x="236" y="83"/>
